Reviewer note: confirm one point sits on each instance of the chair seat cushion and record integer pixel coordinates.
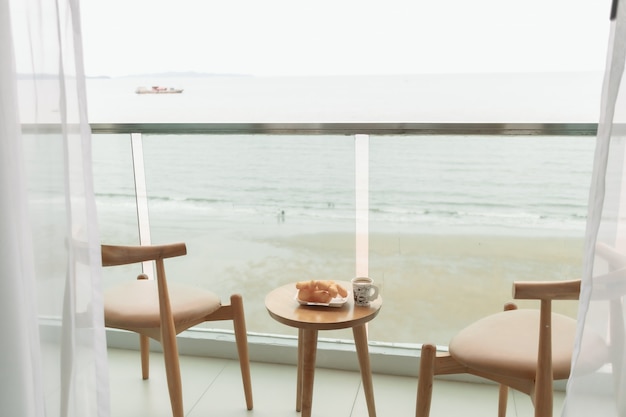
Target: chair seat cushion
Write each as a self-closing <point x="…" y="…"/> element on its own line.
<point x="135" y="305"/>
<point x="506" y="343"/>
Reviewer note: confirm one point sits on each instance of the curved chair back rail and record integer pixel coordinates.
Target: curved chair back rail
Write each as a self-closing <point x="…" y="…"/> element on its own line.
<point x="124" y="255"/>
<point x="547" y="290"/>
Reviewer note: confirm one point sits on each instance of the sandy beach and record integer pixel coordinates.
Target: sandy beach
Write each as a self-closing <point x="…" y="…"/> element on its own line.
<point x="432" y="285"/>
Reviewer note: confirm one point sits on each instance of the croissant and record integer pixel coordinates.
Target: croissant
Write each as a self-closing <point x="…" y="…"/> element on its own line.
<point x="315" y="296"/>
<point x="318" y="291"/>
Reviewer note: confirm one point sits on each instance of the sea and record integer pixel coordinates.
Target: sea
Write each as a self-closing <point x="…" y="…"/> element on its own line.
<point x="512" y="184"/>
<point x="258" y="210"/>
<point x="455" y="184"/>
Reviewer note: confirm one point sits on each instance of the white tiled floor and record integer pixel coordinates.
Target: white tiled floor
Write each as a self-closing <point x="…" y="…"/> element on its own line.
<point x="212" y="387"/>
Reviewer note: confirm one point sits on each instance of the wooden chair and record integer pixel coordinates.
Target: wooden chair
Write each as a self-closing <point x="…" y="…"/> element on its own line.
<point x="160" y="310"/>
<point x="518" y="348"/>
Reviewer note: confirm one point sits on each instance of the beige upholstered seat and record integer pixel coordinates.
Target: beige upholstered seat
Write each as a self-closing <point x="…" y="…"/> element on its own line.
<point x="160" y="310"/>
<point x="135" y="305"/>
<point x="506" y="343"/>
<point x="523" y="349"/>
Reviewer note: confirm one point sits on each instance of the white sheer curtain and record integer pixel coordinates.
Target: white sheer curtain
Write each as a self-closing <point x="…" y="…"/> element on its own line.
<point x="53" y="347"/>
<point x="597" y="384"/>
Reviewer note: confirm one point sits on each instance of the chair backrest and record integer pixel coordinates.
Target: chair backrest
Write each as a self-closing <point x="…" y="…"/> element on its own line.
<point x="122" y="255"/>
<point x="545" y="292"/>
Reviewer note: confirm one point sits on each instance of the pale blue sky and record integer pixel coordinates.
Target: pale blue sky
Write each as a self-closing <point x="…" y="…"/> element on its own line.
<point x="336" y="37"/>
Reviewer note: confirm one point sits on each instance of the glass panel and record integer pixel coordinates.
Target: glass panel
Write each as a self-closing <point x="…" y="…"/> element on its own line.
<point x="114" y="188"/>
<point x="256" y="212"/>
<point x="454" y="220"/>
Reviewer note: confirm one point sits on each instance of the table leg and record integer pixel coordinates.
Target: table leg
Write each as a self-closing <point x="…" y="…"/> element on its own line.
<point x="309" y="340"/>
<point x="299" y="375"/>
<point x="362" y="350"/>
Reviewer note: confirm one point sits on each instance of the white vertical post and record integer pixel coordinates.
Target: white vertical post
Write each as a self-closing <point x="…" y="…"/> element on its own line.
<point x="361" y="187"/>
<point x="141" y="196"/>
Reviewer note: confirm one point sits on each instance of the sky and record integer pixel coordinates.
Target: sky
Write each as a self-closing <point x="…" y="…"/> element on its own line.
<point x="343" y="37"/>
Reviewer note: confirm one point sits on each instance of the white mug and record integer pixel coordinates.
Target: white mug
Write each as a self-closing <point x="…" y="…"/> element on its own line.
<point x="364" y="291"/>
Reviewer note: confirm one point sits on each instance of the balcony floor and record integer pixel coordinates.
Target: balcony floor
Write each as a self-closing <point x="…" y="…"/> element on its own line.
<point x="212" y="387"/>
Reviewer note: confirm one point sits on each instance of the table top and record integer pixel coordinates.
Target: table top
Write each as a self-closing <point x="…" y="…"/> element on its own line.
<point x="282" y="305"/>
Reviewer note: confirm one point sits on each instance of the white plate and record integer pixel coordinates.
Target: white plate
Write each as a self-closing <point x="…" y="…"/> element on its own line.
<point x="335" y="302"/>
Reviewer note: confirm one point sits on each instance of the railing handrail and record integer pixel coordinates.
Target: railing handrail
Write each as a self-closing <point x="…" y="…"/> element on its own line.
<point x="350" y="128"/>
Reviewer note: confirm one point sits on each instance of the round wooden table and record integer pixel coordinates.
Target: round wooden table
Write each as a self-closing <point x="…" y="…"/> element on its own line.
<point x="282" y="305"/>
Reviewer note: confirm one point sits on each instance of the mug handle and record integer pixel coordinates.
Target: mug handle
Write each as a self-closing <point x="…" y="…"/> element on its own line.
<point x="373" y="294"/>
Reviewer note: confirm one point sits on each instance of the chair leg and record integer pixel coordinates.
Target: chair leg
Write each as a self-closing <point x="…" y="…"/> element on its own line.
<point x="425" y="380"/>
<point x="241" y="338"/>
<point x="503" y="395"/>
<point x="172" y="370"/>
<point x="503" y="398"/>
<point x="144" y="346"/>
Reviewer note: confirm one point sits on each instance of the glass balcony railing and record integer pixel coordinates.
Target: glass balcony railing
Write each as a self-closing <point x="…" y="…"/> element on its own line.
<point x="443" y="216"/>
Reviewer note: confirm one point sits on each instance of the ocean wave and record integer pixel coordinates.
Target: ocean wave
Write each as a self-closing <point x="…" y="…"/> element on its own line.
<point x="568" y="215"/>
